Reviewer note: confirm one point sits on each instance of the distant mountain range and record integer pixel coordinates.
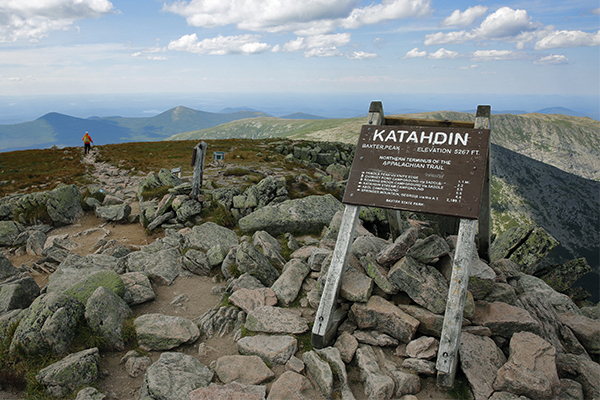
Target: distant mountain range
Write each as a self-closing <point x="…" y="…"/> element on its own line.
<point x="66" y="131"/>
<point x="63" y="130"/>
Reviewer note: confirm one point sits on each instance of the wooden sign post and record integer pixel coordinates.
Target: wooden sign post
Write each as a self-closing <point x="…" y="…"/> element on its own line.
<point x="426" y="166"/>
<point x="198" y="156"/>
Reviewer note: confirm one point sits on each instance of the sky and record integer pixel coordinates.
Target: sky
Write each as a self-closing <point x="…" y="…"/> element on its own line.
<point x="507" y="49"/>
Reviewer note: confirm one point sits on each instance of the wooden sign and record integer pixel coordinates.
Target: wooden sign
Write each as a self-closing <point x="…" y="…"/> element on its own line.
<point x="436" y="170"/>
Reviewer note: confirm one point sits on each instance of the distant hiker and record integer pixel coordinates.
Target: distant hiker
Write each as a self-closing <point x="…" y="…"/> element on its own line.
<point x="87" y="140"/>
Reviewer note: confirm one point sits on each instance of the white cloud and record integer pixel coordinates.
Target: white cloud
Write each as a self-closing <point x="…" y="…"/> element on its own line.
<point x="450" y="37"/>
<point x="360" y="55"/>
<point x="558" y="39"/>
<point x="596" y="11"/>
<point x="35" y="19"/>
<point x="495" y="55"/>
<point x="220" y="45"/>
<point x="503" y="24"/>
<point x="443" y="53"/>
<point x="311" y="17"/>
<point x="316" y="46"/>
<point x="465" y="18"/>
<point x="553" y="59"/>
<point x="415" y="53"/>
<point x="473" y="66"/>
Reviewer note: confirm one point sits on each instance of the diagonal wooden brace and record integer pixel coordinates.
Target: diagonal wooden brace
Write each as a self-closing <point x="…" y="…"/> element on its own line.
<point x="328" y="316"/>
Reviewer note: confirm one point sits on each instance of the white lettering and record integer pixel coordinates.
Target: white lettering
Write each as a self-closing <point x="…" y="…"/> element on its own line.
<point x="440" y="138"/>
<point x="413" y="137"/>
<point x="426" y="137"/>
<point x="463" y="140"/>
<point x="391" y="136"/>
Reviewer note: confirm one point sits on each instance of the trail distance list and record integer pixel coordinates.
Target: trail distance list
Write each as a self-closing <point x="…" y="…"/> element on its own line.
<point x="435" y="170"/>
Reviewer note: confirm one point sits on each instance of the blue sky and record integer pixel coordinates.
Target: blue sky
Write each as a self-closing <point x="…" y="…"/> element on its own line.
<point x="538" y="47"/>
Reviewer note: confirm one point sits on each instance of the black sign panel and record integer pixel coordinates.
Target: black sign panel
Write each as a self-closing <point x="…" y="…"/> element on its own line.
<point x="425" y="169"/>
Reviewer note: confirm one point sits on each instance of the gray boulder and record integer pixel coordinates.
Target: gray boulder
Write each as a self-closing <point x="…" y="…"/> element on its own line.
<point x="64" y="205"/>
<point x="9" y="231"/>
<point x="164" y="332"/>
<point x="204" y="237"/>
<point x="247" y="370"/>
<point x="525" y="245"/>
<point x="395" y="251"/>
<point x="289" y="283"/>
<point x="270" y="319"/>
<point x="291" y="386"/>
<point x="249" y="299"/>
<point x="334" y="359"/>
<point x="90" y="393"/>
<point x="429" y="250"/>
<point x="586" y="330"/>
<point x="84" y="288"/>
<point x="232" y="390"/>
<point x="377" y="384"/>
<point x="274" y="349"/>
<point x="320" y="372"/>
<point x="380" y="314"/>
<point x="220" y="321"/>
<point x="422" y="282"/>
<point x="196" y="262"/>
<point x="299" y="216"/>
<point x="138" y="289"/>
<point x="72" y="372"/>
<point x="531" y="368"/>
<point x="173" y="377"/>
<point x="482" y="278"/>
<point x="48" y="325"/>
<point x="356" y="286"/>
<point x="250" y="260"/>
<point x="27" y="284"/>
<point x="509" y="240"/>
<point x="503" y="319"/>
<point x="561" y="302"/>
<point x="13" y="297"/>
<point x="162" y="266"/>
<point x="114" y="213"/>
<point x="429" y="323"/>
<point x="7" y="269"/>
<point x="581" y="369"/>
<point x="364" y="245"/>
<point x="480" y="360"/>
<point x="347" y="346"/>
<point x="188" y="210"/>
<point x="35" y="243"/>
<point x="269" y="246"/>
<point x="105" y="313"/>
<point x="378" y="274"/>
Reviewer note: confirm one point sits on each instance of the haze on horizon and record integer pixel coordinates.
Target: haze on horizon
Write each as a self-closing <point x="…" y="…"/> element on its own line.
<point x="415" y="54"/>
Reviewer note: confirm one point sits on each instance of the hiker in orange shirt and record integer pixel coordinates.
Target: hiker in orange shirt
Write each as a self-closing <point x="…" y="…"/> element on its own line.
<point x="87" y="139"/>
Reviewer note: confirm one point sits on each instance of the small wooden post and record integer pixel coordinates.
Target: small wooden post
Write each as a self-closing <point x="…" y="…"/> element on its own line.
<point x="447" y="360"/>
<point x="198" y="164"/>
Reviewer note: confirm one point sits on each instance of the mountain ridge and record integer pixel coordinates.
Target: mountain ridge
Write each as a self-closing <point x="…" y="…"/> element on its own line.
<point x="569" y="143"/>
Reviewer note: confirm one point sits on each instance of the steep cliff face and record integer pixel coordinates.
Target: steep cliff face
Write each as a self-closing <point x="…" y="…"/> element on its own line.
<point x="571" y="144"/>
<point x="566" y="205"/>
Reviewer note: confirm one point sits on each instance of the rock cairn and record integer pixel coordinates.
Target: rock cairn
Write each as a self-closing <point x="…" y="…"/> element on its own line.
<point x="521" y="337"/>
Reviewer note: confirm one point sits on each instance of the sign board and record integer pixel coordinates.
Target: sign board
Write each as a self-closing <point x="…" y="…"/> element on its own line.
<point x="436" y="170"/>
<point x="218" y="155"/>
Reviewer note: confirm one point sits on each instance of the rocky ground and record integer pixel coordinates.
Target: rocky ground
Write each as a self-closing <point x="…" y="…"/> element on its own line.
<point x="193" y="296"/>
<point x="189" y="296"/>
